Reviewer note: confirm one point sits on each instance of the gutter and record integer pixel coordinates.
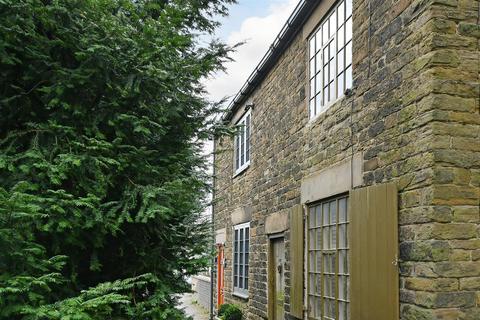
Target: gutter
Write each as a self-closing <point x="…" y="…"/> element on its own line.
<point x="288" y="32"/>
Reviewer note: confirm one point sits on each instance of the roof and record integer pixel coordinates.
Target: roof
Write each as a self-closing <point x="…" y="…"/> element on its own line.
<point x="288" y="32"/>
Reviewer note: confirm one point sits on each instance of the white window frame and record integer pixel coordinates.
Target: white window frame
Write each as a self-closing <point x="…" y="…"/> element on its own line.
<point x="241" y="290"/>
<point x="330" y="59"/>
<point x="242" y="143"/>
<point x="328" y="259"/>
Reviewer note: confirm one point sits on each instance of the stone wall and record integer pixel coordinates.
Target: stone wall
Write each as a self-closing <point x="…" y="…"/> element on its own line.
<point x="414" y="117"/>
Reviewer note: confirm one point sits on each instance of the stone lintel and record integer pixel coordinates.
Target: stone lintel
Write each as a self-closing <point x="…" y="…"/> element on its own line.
<point x="241" y="215"/>
<point x="221" y="236"/>
<point x="276" y="222"/>
<point x="333" y="180"/>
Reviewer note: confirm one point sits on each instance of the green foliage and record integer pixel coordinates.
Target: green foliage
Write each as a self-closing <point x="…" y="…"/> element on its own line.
<point x="102" y="182"/>
<point x="229" y="311"/>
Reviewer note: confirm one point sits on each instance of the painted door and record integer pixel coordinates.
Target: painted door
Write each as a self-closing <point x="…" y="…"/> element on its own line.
<point x="278" y="255"/>
<point x="220" y="275"/>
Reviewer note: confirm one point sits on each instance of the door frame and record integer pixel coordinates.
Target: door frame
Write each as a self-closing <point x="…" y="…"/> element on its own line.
<point x="271" y="272"/>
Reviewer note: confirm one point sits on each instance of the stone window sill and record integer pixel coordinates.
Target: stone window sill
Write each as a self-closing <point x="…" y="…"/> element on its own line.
<point x="240" y="295"/>
<point x="241" y="170"/>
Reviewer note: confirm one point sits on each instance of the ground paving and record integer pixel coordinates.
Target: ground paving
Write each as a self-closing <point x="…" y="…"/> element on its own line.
<point x="191" y="307"/>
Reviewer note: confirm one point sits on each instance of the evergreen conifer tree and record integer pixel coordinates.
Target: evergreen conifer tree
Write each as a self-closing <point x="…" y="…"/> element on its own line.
<point x="102" y="181"/>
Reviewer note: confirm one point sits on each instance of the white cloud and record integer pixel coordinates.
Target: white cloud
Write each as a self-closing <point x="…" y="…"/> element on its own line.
<point x="258" y="33"/>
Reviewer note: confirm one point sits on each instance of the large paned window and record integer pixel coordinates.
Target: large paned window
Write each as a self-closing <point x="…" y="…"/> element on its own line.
<point x="331" y="58"/>
<point x="241" y="243"/>
<point x="242" y="143"/>
<point x="328" y="265"/>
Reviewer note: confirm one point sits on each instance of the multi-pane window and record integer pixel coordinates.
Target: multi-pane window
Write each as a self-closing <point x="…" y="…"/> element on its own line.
<point x="241" y="243"/>
<point x="330" y="68"/>
<point x="328" y="260"/>
<point x="242" y="143"/>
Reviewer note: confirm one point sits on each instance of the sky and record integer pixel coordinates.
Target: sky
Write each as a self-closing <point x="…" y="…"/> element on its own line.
<point x="257" y="23"/>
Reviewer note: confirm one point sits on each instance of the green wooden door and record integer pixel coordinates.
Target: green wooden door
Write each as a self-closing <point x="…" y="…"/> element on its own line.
<point x="278" y="277"/>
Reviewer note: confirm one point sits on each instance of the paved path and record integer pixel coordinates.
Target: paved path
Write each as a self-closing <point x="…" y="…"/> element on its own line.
<point x="192" y="308"/>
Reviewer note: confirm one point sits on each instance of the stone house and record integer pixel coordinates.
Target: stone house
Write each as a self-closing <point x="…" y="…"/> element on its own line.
<point x="352" y="187"/>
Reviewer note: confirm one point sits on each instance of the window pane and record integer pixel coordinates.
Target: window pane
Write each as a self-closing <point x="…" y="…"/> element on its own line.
<point x="311" y="217"/>
<point x="312" y="88"/>
<point x="312" y="68"/>
<point x="332" y="90"/>
<point x="325" y="214"/>
<point x="342" y="288"/>
<point x="333" y="237"/>
<point x="346" y="209"/>
<point x="346" y="262"/>
<point x="311" y="308"/>
<point x="346" y="235"/>
<point x="318" y="40"/>
<point x="325" y="96"/>
<point x="348" y="288"/>
<point x="318" y="101"/>
<point x="349" y="7"/>
<point x="332" y="51"/>
<point x="319" y="238"/>
<point x="342" y="210"/>
<point x="311" y="284"/>
<point x="312" y="236"/>
<point x="318" y="308"/>
<point x="318" y="211"/>
<point x="333" y="24"/>
<point x="340" y="85"/>
<point x="325" y="33"/>
<point x="332" y="70"/>
<point x="327" y="264"/>
<point x="325" y="55"/>
<point x="348" y="54"/>
<point x="341" y="13"/>
<point x="342" y="308"/>
<point x="342" y="259"/>
<point x="326" y="238"/>
<point x="348" y="75"/>
<point x="312" y="108"/>
<point x="312" y="47"/>
<point x="242" y="146"/>
<point x="325" y="75"/>
<point x="341" y="37"/>
<point x="318" y="63"/>
<point x="342" y="239"/>
<point x="348" y="30"/>
<point x="312" y="257"/>
<point x="333" y="212"/>
<point x="326" y="288"/>
<point x="340" y="60"/>
<point x="318" y="84"/>
<point x="318" y="261"/>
